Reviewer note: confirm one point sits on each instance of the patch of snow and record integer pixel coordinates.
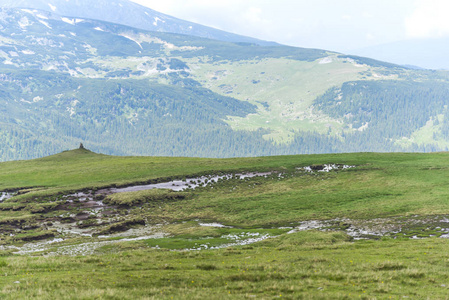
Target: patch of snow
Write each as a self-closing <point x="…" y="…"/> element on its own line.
<point x="41" y="17"/>
<point x="52" y="7"/>
<point x="71" y="110"/>
<point x="13" y="54"/>
<point x="28" y="11"/>
<point x="72" y="21"/>
<point x="72" y="33"/>
<point x="325" y="168"/>
<point x="37" y="99"/>
<point x="243" y="242"/>
<point x="143" y="38"/>
<point x="24" y="22"/>
<point x="28" y="52"/>
<point x="347" y="167"/>
<point x="308" y="225"/>
<point x="86" y="248"/>
<point x="180" y="185"/>
<point x="68" y="21"/>
<point x="326" y="60"/>
<point x="37" y="247"/>
<point x="363" y="127"/>
<point x="328" y="168"/>
<point x="5" y="196"/>
<point x="98" y="28"/>
<point x="134" y="40"/>
<point x="308" y="169"/>
<point x="156" y="20"/>
<point x="190" y="27"/>
<point x="45" y="23"/>
<point x="214" y="225"/>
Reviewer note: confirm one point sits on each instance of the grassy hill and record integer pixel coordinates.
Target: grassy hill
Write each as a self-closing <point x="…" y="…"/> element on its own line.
<point x="293" y="233"/>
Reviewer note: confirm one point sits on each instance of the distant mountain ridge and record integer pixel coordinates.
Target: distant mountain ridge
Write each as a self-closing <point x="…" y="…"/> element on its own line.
<point x="126" y="91"/>
<point x="130" y="14"/>
<point x="428" y="53"/>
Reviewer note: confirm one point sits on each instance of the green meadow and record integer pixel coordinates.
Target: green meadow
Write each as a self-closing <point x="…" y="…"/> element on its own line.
<point x="231" y="239"/>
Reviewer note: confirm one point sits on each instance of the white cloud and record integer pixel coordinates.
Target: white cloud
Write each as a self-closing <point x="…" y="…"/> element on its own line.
<point x="253" y="14"/>
<point x="370" y="37"/>
<point x="430" y="19"/>
<point x="327" y="24"/>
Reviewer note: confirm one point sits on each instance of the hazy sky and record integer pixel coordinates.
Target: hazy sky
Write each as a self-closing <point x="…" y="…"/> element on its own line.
<point x="338" y="25"/>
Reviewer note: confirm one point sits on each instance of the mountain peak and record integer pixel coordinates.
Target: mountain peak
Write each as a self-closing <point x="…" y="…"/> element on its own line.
<point x="131" y="14"/>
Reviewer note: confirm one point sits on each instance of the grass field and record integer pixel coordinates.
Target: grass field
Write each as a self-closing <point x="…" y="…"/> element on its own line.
<point x="283" y="90"/>
<point x="263" y="82"/>
<point x="307" y="265"/>
<point x="140" y="249"/>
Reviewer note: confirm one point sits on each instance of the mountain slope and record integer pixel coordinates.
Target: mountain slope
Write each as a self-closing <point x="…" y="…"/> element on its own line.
<point x="121" y="90"/>
<point x="64" y="80"/>
<point x="131" y="14"/>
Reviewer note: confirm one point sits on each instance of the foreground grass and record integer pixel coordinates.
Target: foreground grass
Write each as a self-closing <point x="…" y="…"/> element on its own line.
<point x="306" y="265"/>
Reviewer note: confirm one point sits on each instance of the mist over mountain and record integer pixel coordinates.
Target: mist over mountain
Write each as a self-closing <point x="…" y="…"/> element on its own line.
<point x="424" y="53"/>
<point x="131" y="14"/>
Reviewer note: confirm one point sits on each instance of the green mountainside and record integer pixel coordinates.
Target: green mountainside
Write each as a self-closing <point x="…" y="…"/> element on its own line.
<point x="126" y="91"/>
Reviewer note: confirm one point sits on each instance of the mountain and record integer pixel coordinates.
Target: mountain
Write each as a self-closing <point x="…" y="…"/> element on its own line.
<point x="424" y="53"/>
<point x="131" y="14"/>
<point x="127" y="91"/>
<point x="119" y="89"/>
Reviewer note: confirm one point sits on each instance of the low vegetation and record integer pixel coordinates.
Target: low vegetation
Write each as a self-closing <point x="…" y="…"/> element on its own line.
<point x="292" y="232"/>
<point x="306" y="265"/>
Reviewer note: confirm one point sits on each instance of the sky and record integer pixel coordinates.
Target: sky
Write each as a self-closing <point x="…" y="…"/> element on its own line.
<point x="337" y="25"/>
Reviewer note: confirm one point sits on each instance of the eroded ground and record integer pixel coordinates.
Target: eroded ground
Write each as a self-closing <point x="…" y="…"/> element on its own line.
<point x="91" y="221"/>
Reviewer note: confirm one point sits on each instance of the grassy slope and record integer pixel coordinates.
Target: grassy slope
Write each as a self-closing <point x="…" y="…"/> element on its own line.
<point x="287" y="86"/>
<point x="429" y="134"/>
<point x="307" y="265"/>
<point x="413" y="184"/>
<point x="267" y="81"/>
<point x="380" y="185"/>
<point x="310" y="265"/>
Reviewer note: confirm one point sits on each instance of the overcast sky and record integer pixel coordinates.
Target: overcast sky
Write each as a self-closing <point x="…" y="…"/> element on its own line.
<point x="338" y="25"/>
